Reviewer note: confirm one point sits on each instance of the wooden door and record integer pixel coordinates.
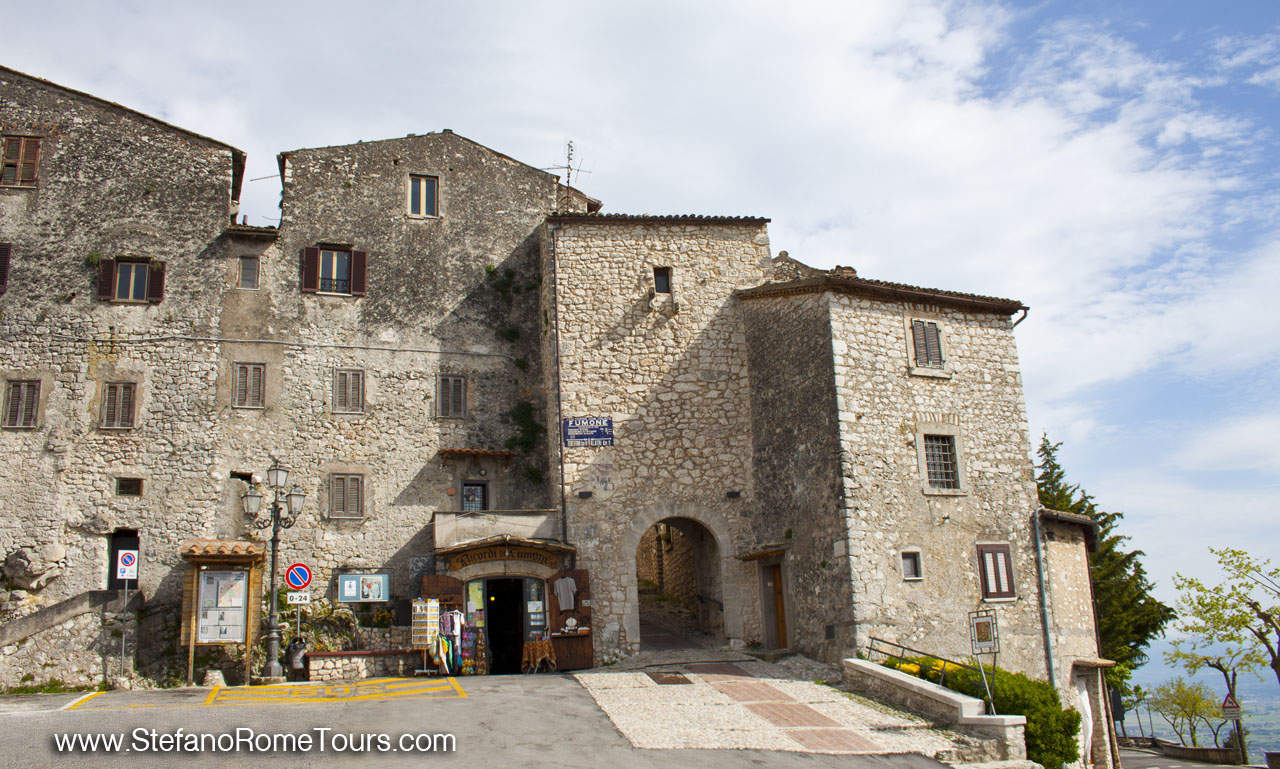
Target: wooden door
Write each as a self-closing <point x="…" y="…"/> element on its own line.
<point x="779" y="605"/>
<point x="574" y="649"/>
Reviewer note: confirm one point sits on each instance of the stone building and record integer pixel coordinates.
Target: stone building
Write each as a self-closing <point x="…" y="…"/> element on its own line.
<point x="492" y="393"/>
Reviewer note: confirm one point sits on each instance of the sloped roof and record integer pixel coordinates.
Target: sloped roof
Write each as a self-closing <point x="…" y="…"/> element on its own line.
<point x="844" y="280"/>
<point x="508" y="540"/>
<point x="221" y="548"/>
<point x="655" y="218"/>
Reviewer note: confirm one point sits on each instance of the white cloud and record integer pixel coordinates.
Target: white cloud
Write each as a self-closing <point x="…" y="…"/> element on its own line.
<point x="1246" y="443"/>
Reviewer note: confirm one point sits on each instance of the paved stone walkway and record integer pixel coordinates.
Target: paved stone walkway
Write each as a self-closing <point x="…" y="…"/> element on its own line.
<point x="739" y="702"/>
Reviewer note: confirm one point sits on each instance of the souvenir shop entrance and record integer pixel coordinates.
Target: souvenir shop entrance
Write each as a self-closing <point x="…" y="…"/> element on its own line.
<point x="521" y="611"/>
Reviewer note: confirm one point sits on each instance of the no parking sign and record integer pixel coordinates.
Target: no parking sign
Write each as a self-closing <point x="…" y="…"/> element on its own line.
<point x="127" y="564"/>
<point x="298" y="576"/>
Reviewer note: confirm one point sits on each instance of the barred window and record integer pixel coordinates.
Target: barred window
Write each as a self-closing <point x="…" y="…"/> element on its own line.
<point x="995" y="569"/>
<point x="475" y="495"/>
<point x="22" y="403"/>
<point x="346" y="496"/>
<point x="118" y="404"/>
<point x="926" y="343"/>
<point x="940" y="461"/>
<point x="453" y="397"/>
<point x="248" y="385"/>
<point x="348" y="391"/>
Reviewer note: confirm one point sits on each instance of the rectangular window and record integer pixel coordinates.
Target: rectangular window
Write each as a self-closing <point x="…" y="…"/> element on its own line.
<point x="22" y="403"/>
<point x="248" y="385"/>
<point x="346" y="496"/>
<point x="662" y="280"/>
<point x="927" y="343"/>
<point x="117" y="405"/>
<point x="995" y="569"/>
<point x="348" y="391"/>
<point x="335" y="271"/>
<point x="21" y="158"/>
<point x="6" y="250"/>
<point x="453" y="397"/>
<point x="940" y="461"/>
<point x="131" y="281"/>
<point x="475" y="495"/>
<point x="129" y="487"/>
<point x="422" y="195"/>
<point x="249" y="272"/>
<point x="911" y="565"/>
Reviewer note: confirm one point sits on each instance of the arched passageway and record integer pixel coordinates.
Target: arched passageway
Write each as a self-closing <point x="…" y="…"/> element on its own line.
<point x="680" y="586"/>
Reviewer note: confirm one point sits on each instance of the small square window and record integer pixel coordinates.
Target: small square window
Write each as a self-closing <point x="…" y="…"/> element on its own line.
<point x="117" y="405"/>
<point x="346" y="496"/>
<point x="249" y="266"/>
<point x="940" y="461"/>
<point x="452" y="397"/>
<point x="995" y="570"/>
<point x="348" y="391"/>
<point x="22" y="403"/>
<point x="911" y="565"/>
<point x="422" y="195"/>
<point x="475" y="495"/>
<point x="662" y="280"/>
<point x="21" y="160"/>
<point x="129" y="487"/>
<point x="926" y="344"/>
<point x="248" y="385"/>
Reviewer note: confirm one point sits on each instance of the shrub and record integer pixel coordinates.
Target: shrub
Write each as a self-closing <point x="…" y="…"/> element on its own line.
<point x="1051" y="728"/>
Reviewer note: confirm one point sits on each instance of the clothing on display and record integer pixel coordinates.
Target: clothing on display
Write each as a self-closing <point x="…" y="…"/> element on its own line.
<point x="565" y="589"/>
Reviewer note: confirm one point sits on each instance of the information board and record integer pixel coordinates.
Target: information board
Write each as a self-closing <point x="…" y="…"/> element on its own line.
<point x="357" y="588"/>
<point x="222" y="606"/>
<point x="588" y="431"/>
<point x="983" y="632"/>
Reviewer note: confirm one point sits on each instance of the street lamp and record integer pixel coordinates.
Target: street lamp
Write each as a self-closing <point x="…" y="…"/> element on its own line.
<point x="277" y="479"/>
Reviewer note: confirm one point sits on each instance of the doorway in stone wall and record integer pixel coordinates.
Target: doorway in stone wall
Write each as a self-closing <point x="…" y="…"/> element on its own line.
<point x="679" y="586"/>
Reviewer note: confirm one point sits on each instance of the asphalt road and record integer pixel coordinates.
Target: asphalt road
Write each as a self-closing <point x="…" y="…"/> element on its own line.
<point x="501" y="722"/>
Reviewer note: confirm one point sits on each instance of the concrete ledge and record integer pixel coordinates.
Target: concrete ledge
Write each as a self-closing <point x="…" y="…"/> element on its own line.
<point x="51" y="616"/>
<point x="958" y="711"/>
<point x="1227" y="756"/>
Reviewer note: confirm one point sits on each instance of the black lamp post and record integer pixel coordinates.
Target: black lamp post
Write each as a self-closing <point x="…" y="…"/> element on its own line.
<point x="277" y="478"/>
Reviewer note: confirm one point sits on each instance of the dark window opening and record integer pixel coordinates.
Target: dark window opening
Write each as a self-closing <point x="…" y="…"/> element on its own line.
<point x="475" y="495"/>
<point x="662" y="280"/>
<point x="129" y="487"/>
<point x="246" y="477"/>
<point x="22" y="403"/>
<point x="249" y="266"/>
<point x="940" y="461"/>
<point x="911" y="566"/>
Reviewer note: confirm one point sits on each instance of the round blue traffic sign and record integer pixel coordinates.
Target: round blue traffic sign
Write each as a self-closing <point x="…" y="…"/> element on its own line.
<point x="298" y="576"/>
<point x="127" y="559"/>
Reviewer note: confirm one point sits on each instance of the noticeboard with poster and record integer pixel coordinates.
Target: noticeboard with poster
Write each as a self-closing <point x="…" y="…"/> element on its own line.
<point x="983" y="632"/>
<point x="358" y="588"/>
<point x="222" y="606"/>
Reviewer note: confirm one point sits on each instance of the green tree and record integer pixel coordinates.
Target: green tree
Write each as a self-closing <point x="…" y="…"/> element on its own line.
<point x="1240" y="615"/>
<point x="1185" y="706"/>
<point x="1129" y="617"/>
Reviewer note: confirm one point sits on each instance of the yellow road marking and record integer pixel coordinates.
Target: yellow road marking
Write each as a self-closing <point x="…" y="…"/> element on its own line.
<point x="212" y="695"/>
<point x="457" y="687"/>
<point x="83" y="700"/>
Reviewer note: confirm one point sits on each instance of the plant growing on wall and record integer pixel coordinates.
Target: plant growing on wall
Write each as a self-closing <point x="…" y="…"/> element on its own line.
<point x="528" y="428"/>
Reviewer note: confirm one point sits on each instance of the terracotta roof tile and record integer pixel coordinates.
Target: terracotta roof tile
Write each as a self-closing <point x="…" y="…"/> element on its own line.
<point x="206" y="548"/>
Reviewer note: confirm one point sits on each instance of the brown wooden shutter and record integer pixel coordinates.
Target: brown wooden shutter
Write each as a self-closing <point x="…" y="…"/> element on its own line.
<point x="354" y="492"/>
<point x="29" y="405"/>
<point x="337" y="495"/>
<point x="30" y="158"/>
<point x="107" y="279"/>
<point x="109" y="406"/>
<point x="310" y="269"/>
<point x="459" y="397"/>
<point x="933" y="346"/>
<point x="15" y="405"/>
<point x="358" y="261"/>
<point x="155" y="282"/>
<point x="340" y="390"/>
<point x="255" y="385"/>
<point x="126" y="405"/>
<point x="445" y="589"/>
<point x="5" y="251"/>
<point x="355" y="396"/>
<point x="917" y="339"/>
<point x="240" y="381"/>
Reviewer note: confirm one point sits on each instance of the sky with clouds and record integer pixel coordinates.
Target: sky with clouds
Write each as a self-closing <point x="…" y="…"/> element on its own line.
<point x="1111" y="164"/>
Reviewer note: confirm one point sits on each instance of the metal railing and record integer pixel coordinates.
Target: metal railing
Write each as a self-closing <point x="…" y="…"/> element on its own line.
<point x="897" y="654"/>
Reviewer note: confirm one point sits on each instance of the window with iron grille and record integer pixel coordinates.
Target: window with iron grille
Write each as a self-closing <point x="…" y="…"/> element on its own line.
<point x="117" y="405"/>
<point x="995" y="569"/>
<point x="927" y="343"/>
<point x="346" y="496"/>
<point x="249" y="272"/>
<point x="21" y="160"/>
<point x="129" y="487"/>
<point x="348" y="391"/>
<point x="248" y="385"/>
<point x="22" y="403"/>
<point x="452" y="397"/>
<point x="475" y="495"/>
<point x="911" y="565"/>
<point x="940" y="461"/>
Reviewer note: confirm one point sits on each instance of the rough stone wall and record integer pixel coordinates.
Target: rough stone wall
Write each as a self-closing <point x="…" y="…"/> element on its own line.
<point x="796" y="434"/>
<point x="111" y="183"/>
<point x="82" y="651"/>
<point x="883" y="407"/>
<point x="671" y="370"/>
<point x="675" y="574"/>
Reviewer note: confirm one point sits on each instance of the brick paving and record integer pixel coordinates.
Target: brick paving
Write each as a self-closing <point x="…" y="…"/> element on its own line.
<point x="789" y="714"/>
<point x="749" y="692"/>
<point x="834" y="741"/>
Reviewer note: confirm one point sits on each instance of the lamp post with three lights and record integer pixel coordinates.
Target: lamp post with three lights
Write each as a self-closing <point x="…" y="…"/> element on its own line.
<point x="290" y="504"/>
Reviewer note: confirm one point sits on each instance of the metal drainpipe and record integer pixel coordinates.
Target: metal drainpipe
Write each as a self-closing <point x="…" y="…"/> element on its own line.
<point x="1044" y="603"/>
<point x="555" y="308"/>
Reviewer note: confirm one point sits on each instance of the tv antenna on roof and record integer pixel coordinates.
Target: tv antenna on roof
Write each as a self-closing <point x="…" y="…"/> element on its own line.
<point x="568" y="171"/>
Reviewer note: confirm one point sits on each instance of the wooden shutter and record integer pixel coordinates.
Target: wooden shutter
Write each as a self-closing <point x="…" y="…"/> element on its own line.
<point x="255" y="385"/>
<point x="917" y="339"/>
<point x="155" y="282"/>
<point x="340" y="386"/>
<point x="355" y="392"/>
<point x="996" y="571"/>
<point x="14" y="411"/>
<point x="107" y="279"/>
<point x="354" y="493"/>
<point x="126" y="405"/>
<point x="358" y="262"/>
<point x="933" y="346"/>
<point x="30" y="159"/>
<point x="29" y="403"/>
<point x="5" y="251"/>
<point x="338" y="495"/>
<point x="445" y="589"/>
<point x="310" y="269"/>
<point x="109" y="413"/>
<point x="459" y="397"/>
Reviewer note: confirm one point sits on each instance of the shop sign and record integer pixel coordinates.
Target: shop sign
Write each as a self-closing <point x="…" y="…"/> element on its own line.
<point x="222" y="606"/>
<point x="588" y="431"/>
<point x="359" y="588"/>
<point x="503" y="553"/>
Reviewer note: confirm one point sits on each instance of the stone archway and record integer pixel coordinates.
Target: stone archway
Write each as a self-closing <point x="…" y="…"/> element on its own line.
<point x="718" y="572"/>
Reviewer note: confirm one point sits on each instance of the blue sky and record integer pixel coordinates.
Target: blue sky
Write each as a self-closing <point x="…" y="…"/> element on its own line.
<point x="1111" y="164"/>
